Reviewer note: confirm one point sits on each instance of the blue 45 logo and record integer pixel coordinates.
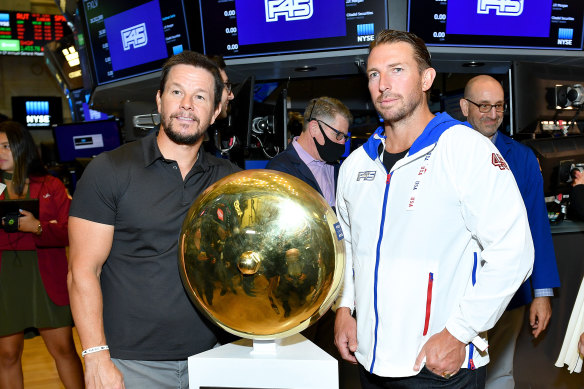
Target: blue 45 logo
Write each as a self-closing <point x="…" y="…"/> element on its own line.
<point x="501" y="7"/>
<point x="135" y="36"/>
<point x="290" y="9"/>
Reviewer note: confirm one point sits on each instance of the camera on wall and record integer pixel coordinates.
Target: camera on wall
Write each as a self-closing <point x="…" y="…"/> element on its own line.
<point x="10" y="222"/>
<point x="569" y="95"/>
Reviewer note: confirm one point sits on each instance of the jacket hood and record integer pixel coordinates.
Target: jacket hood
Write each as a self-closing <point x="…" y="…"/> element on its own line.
<point x="440" y="123"/>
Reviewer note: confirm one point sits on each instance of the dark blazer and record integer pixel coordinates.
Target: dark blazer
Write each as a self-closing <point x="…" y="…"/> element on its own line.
<point x="289" y="162"/>
<point x="525" y="168"/>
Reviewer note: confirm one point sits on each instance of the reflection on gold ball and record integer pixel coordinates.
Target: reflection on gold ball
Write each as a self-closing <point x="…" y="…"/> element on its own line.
<point x="261" y="254"/>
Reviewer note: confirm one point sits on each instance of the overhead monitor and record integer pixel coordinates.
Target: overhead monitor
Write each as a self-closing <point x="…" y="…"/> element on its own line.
<point x="530" y="24"/>
<point x="135" y="37"/>
<point x="244" y="28"/>
<point x="37" y="112"/>
<point x="86" y="139"/>
<point x="27" y="33"/>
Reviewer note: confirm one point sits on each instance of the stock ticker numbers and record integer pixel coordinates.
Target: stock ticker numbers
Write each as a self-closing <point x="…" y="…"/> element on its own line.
<point x="543" y="24"/>
<point x="243" y="28"/>
<point x="25" y="33"/>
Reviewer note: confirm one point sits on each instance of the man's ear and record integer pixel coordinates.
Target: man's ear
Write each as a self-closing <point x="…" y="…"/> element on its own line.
<point x="428" y="77"/>
<point x="464" y="107"/>
<point x="312" y="128"/>
<point x="158" y="100"/>
<point x="215" y="114"/>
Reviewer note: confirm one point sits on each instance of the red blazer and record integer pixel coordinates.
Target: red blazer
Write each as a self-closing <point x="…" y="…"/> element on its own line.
<point x="50" y="245"/>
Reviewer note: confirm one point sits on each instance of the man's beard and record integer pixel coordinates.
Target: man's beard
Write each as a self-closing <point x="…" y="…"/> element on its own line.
<point x="181" y="139"/>
<point x="402" y="112"/>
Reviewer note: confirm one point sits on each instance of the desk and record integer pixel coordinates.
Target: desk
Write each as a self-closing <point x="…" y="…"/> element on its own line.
<point x="298" y="364"/>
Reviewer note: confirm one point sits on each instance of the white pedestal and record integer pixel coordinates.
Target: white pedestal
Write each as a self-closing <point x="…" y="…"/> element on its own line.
<point x="297" y="364"/>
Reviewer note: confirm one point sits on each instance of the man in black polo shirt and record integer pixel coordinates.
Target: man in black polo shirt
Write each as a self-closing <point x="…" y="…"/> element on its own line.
<point x="136" y="323"/>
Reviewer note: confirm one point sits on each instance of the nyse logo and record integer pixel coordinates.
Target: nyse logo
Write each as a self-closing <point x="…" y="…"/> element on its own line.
<point x="365" y="32"/>
<point x="565" y="36"/>
<point x="366" y="176"/>
<point x="290" y="9"/>
<point x="501" y="7"/>
<point x="135" y="36"/>
<point x="38" y="120"/>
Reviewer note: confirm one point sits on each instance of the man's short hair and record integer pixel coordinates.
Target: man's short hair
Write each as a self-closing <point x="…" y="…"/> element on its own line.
<point x="421" y="53"/>
<point x="326" y="108"/>
<point x="199" y="61"/>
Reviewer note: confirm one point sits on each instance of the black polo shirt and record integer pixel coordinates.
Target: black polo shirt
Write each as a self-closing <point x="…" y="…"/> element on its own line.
<point x="146" y="311"/>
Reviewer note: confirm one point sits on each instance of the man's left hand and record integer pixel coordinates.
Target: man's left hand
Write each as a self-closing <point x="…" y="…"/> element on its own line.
<point x="540" y="313"/>
<point x="444" y="354"/>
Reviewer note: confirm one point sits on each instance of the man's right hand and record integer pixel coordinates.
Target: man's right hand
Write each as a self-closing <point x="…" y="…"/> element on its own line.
<point x="346" y="334"/>
<point x="101" y="373"/>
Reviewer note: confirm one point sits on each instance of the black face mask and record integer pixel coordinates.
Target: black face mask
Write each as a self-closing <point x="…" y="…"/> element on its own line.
<point x="330" y="151"/>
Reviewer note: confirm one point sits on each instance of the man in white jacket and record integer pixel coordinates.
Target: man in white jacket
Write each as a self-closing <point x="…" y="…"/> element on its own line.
<point x="434" y="252"/>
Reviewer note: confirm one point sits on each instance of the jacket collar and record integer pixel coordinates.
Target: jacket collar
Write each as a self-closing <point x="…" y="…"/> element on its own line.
<point x="440" y="123"/>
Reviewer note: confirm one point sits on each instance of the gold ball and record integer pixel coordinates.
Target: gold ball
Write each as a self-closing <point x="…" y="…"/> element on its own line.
<point x="261" y="254"/>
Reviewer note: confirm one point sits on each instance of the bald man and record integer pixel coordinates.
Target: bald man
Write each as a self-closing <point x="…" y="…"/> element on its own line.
<point x="484" y="105"/>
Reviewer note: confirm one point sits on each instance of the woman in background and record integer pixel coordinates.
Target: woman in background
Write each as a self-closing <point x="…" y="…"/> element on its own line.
<point x="33" y="263"/>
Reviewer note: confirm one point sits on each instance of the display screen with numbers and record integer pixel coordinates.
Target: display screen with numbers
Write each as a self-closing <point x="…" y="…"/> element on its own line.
<point x="25" y="33"/>
<point x="133" y="37"/>
<point x="246" y="28"/>
<point x="532" y="24"/>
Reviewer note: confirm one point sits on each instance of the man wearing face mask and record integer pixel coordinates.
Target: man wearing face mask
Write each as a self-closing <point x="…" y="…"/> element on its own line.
<point x="314" y="156"/>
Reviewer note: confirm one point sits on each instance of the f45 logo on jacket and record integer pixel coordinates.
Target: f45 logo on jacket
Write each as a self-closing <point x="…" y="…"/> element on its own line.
<point x="366" y="175"/>
<point x="499" y="162"/>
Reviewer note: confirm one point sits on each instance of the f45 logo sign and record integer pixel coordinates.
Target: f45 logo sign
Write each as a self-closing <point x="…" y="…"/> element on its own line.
<point x="290" y="9"/>
<point x="135" y="36"/>
<point x="366" y="176"/>
<point x="501" y="7"/>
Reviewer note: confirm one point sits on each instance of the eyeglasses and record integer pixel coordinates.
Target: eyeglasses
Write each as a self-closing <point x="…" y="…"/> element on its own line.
<point x="338" y="134"/>
<point x="228" y="86"/>
<point x="486" y="108"/>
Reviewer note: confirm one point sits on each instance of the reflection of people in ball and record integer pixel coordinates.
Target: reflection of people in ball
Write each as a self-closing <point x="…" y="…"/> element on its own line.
<point x="295" y="282"/>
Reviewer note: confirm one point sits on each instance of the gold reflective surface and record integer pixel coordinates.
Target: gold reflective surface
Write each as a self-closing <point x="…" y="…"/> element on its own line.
<point x="261" y="254"/>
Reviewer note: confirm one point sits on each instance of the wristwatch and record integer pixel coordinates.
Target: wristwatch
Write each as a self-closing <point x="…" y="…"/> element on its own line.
<point x="39" y="229"/>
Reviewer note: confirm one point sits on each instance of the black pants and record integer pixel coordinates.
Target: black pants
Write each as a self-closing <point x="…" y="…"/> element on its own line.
<point x="425" y="379"/>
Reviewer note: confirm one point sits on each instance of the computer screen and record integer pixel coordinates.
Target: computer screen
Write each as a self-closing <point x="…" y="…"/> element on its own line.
<point x="86" y="139"/>
<point x="37" y="112"/>
<point x="244" y="28"/>
<point x="535" y="24"/>
<point x="241" y="110"/>
<point x="27" y="33"/>
<point x="133" y="37"/>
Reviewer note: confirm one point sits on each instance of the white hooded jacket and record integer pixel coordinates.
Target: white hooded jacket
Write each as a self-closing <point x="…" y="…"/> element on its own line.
<point x="441" y="241"/>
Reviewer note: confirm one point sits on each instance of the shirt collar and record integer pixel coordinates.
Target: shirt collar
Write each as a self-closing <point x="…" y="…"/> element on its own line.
<point x="152" y="152"/>
<point x="494" y="138"/>
<point x="303" y="154"/>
